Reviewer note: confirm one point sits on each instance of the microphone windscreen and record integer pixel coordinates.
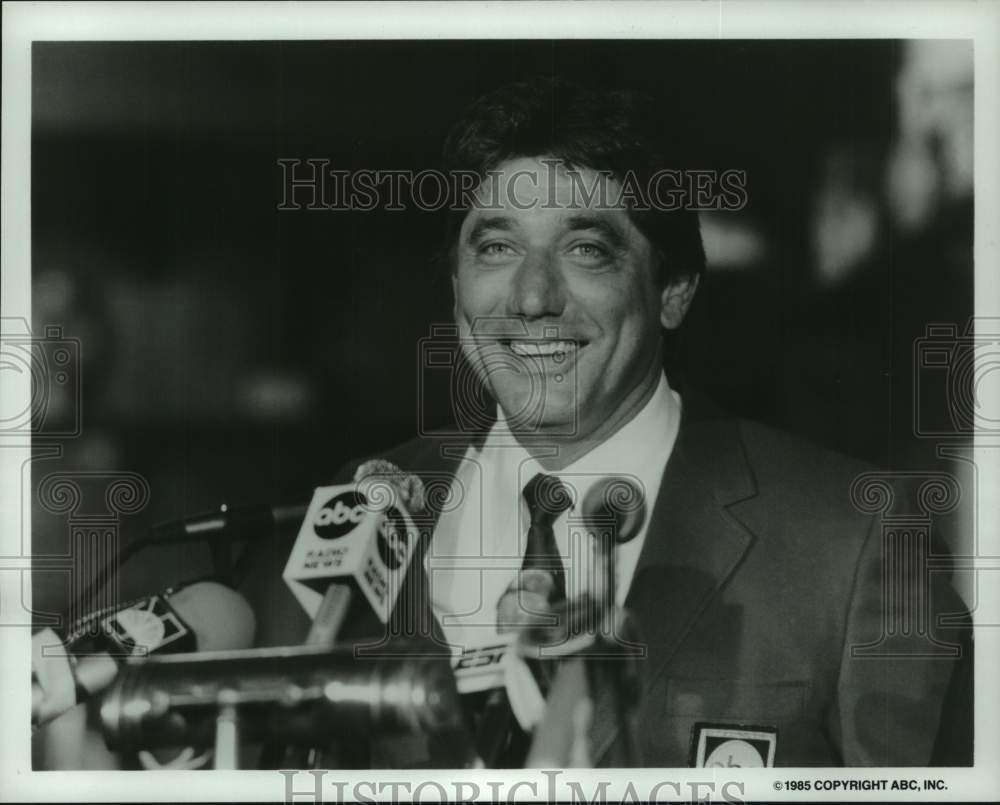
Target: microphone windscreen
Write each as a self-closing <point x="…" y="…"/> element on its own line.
<point x="406" y="485"/>
<point x="618" y="503"/>
<point x="220" y="618"/>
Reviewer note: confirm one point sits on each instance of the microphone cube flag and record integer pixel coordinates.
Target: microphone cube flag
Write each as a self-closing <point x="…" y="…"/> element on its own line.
<point x="355" y="534"/>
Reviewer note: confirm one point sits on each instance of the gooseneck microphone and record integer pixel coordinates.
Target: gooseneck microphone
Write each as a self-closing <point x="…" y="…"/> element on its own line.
<point x="251" y="522"/>
<point x="228" y="524"/>
<point x="616" y="504"/>
<point x="614" y="510"/>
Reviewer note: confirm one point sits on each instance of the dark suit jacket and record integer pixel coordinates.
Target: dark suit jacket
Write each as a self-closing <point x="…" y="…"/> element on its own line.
<point x="759" y="593"/>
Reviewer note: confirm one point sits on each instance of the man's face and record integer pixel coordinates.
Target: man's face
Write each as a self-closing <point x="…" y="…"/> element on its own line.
<point x="557" y="303"/>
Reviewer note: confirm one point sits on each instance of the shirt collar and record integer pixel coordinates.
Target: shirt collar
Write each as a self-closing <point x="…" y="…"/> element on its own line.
<point x="633" y="450"/>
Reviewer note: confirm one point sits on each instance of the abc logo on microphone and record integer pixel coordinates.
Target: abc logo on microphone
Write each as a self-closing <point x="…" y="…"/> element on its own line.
<point x="340" y="515"/>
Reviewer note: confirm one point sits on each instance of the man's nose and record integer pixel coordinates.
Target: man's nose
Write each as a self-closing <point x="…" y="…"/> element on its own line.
<point x="538" y="289"/>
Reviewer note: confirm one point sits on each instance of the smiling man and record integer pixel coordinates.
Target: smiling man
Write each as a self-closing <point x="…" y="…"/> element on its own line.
<point x="754" y="578"/>
<point x="577" y="295"/>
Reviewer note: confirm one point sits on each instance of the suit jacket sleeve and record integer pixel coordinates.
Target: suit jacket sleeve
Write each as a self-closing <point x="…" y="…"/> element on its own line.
<point x="895" y="692"/>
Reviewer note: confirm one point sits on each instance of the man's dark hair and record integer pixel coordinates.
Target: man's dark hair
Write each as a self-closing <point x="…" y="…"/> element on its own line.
<point x="614" y="131"/>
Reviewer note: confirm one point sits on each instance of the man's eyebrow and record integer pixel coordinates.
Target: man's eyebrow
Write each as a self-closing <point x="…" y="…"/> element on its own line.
<point x="501" y="223"/>
<point x="601" y="224"/>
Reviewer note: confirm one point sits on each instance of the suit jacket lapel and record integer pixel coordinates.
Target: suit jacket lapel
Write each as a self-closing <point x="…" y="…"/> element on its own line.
<point x="436" y="461"/>
<point x="694" y="542"/>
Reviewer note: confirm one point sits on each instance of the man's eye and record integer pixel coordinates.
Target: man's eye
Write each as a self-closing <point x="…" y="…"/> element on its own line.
<point x="591" y="251"/>
<point x="494" y="249"/>
<point x="495" y="252"/>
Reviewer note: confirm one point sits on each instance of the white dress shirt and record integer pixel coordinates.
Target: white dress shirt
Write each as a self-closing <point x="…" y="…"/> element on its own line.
<point x="479" y="544"/>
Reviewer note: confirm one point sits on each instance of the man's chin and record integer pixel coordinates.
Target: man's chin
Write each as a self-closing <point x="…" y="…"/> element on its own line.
<point x="541" y="420"/>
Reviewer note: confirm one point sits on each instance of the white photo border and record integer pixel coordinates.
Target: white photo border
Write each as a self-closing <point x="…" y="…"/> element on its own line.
<point x="27" y="22"/>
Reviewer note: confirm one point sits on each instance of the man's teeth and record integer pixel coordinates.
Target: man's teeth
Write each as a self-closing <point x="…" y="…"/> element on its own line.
<point x="541" y="349"/>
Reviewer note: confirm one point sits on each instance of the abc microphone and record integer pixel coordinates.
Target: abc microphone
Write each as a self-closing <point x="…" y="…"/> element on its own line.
<point x="356" y="540"/>
<point x="203" y="616"/>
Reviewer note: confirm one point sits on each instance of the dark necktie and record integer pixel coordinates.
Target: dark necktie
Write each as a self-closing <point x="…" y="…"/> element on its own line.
<point x="547" y="497"/>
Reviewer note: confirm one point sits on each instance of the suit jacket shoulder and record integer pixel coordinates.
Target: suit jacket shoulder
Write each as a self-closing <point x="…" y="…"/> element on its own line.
<point x="805" y="495"/>
<point x="423" y="455"/>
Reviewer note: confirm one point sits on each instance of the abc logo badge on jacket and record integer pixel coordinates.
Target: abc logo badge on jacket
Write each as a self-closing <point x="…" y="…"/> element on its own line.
<point x="732" y="746"/>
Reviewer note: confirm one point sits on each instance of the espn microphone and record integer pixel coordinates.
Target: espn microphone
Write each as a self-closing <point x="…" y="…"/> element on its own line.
<point x="203" y="616"/>
<point x="356" y="541"/>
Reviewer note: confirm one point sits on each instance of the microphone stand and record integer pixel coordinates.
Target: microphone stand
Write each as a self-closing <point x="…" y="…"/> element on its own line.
<point x="227" y="735"/>
<point x="617" y="669"/>
<point x="323" y="632"/>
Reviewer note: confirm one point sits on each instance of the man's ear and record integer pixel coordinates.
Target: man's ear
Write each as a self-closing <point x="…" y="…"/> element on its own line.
<point x="676" y="299"/>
